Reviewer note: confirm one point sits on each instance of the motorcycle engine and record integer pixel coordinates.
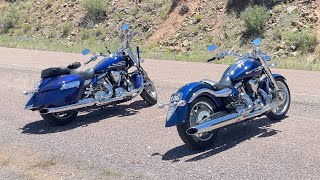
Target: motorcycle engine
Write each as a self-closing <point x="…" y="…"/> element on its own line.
<point x="254" y="84"/>
<point x="116" y="75"/>
<point x="104" y="91"/>
<point x="122" y="82"/>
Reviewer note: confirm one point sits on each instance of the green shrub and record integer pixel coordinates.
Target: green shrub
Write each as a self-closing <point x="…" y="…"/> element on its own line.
<point x="305" y="41"/>
<point x="8" y="20"/>
<point x="96" y="9"/>
<point x="65" y="29"/>
<point x="255" y="17"/>
<point x="85" y="34"/>
<point x="198" y="17"/>
<point x="26" y="27"/>
<point x="51" y="33"/>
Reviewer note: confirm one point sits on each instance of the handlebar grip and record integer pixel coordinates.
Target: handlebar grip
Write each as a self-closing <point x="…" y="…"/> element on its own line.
<point x="211" y="59"/>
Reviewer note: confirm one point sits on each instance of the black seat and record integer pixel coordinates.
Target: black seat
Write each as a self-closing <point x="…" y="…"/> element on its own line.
<point x="56" y="71"/>
<point x="70" y="69"/>
<point x="88" y="74"/>
<point x="225" y="82"/>
<point x="74" y="65"/>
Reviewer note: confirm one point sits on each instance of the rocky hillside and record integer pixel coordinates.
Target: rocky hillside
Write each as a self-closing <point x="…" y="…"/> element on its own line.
<point x="289" y="28"/>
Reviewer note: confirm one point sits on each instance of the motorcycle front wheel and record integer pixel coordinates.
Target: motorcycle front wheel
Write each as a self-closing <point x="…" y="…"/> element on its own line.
<point x="60" y="118"/>
<point x="149" y="93"/>
<point x="280" y="111"/>
<point x="200" y="109"/>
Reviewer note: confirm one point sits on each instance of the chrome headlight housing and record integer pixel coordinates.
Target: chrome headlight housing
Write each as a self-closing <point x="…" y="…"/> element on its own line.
<point x="174" y="103"/>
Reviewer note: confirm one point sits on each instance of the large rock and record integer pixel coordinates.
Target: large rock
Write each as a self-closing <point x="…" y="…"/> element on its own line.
<point x="290" y="9"/>
<point x="185" y="43"/>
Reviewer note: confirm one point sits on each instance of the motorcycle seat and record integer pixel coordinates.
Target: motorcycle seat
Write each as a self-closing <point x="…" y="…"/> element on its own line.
<point x="88" y="74"/>
<point x="225" y="82"/>
<point x="74" y="65"/>
<point x="55" y="71"/>
<point x="58" y="71"/>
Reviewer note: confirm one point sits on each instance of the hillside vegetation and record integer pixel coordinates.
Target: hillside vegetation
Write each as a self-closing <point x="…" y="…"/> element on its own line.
<point x="170" y="29"/>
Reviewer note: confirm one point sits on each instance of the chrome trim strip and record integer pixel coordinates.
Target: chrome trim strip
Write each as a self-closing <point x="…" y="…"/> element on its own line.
<point x="69" y="85"/>
<point x="221" y="93"/>
<point x="28" y="107"/>
<point x="255" y="70"/>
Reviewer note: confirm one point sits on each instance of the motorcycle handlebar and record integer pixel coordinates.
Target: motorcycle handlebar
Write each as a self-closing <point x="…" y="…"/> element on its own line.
<point x="211" y="59"/>
<point x="93" y="58"/>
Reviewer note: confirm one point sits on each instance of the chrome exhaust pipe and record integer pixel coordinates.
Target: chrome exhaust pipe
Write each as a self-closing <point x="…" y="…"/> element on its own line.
<point x="81" y="104"/>
<point x="216" y="123"/>
<point x="213" y="124"/>
<point x="87" y="103"/>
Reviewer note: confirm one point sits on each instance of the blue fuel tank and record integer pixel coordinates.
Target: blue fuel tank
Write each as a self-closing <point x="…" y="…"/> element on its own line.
<point x="110" y="63"/>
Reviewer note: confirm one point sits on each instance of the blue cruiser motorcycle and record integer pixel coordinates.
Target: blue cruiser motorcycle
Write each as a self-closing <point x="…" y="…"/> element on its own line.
<point x="247" y="90"/>
<point x="65" y="91"/>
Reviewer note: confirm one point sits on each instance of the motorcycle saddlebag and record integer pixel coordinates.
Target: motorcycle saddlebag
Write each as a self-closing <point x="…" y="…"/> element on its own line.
<point x="58" y="91"/>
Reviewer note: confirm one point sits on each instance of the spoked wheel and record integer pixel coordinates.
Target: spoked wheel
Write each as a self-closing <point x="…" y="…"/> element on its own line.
<point x="280" y="111"/>
<point x="200" y="109"/>
<point x="149" y="93"/>
<point x="60" y="118"/>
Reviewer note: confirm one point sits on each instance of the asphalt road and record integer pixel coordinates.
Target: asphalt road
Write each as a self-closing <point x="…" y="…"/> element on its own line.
<point x="129" y="141"/>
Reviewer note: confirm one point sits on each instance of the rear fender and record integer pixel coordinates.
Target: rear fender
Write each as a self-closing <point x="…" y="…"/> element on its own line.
<point x="188" y="91"/>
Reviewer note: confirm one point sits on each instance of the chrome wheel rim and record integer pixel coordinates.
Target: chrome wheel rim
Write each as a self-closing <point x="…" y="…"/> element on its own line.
<point x="282" y="108"/>
<point x="62" y="115"/>
<point x="200" y="111"/>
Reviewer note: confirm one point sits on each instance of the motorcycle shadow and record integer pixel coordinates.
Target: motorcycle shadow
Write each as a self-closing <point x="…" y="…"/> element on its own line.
<point x="227" y="139"/>
<point x="121" y="110"/>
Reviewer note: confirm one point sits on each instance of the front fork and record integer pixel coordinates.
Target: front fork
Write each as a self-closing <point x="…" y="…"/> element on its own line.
<point x="269" y="74"/>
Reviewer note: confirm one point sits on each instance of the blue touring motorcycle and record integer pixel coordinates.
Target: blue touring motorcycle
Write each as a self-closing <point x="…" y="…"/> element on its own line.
<point x="65" y="91"/>
<point x="246" y="90"/>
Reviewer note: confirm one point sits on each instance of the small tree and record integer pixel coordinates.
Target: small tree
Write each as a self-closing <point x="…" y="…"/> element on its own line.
<point x="255" y="17"/>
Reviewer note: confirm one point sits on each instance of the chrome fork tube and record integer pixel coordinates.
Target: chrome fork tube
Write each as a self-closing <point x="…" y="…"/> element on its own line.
<point x="132" y="56"/>
<point x="269" y="74"/>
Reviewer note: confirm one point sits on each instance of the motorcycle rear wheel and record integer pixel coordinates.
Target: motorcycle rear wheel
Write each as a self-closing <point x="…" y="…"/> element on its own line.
<point x="61" y="118"/>
<point x="199" y="109"/>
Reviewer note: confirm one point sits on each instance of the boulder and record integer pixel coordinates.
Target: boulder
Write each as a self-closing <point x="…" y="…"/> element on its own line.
<point x="290" y="9"/>
<point x="185" y="43"/>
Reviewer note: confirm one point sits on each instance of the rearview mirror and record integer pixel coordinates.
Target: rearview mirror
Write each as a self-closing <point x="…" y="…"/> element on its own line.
<point x="256" y="42"/>
<point x="85" y="52"/>
<point x="125" y="27"/>
<point x="212" y="47"/>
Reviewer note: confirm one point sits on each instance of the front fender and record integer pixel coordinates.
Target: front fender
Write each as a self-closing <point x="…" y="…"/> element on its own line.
<point x="187" y="91"/>
<point x="278" y="76"/>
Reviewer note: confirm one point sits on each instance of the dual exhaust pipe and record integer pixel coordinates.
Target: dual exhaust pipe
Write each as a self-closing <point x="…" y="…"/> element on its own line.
<point x="88" y="102"/>
<point x="212" y="123"/>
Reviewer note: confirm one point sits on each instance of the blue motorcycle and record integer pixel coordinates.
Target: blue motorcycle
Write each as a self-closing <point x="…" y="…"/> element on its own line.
<point x="247" y="90"/>
<point x="117" y="78"/>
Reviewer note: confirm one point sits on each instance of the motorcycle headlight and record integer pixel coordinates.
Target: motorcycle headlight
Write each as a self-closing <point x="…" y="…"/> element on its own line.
<point x="175" y="101"/>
